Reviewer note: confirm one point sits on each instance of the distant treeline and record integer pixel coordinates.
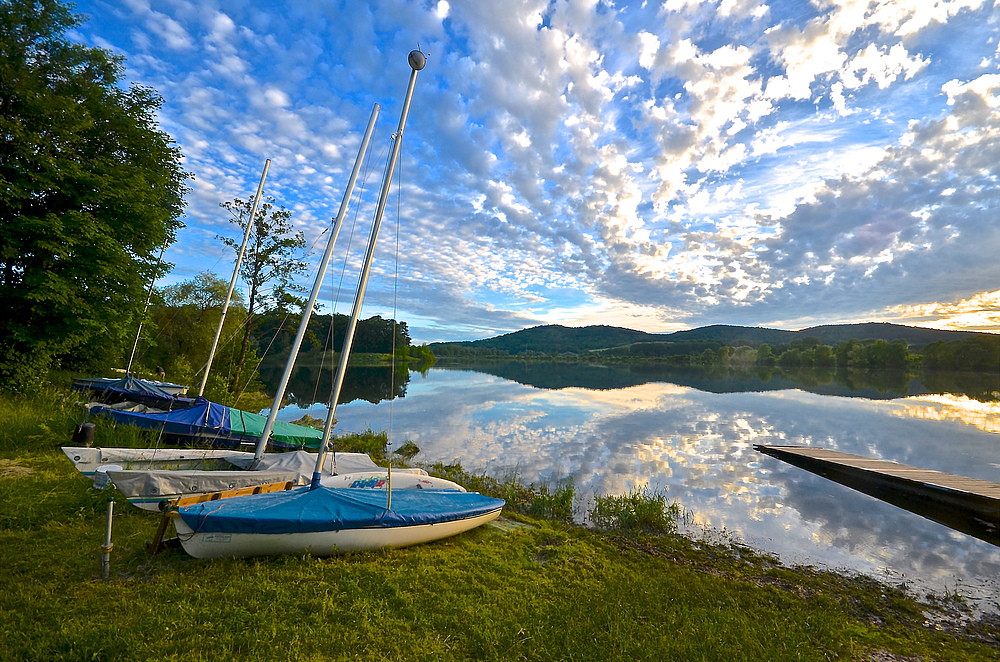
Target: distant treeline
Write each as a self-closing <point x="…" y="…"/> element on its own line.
<point x="376" y="335"/>
<point x="978" y="353"/>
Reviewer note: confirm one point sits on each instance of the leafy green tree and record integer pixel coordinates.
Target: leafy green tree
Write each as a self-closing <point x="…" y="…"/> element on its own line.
<point x="185" y="318"/>
<point x="765" y="355"/>
<point x="844" y="352"/>
<point x="270" y="264"/>
<point x="743" y="356"/>
<point x="790" y="357"/>
<point x="423" y="355"/>
<point x="978" y="354"/>
<point x="90" y="191"/>
<point x="824" y="356"/>
<point x="377" y="335"/>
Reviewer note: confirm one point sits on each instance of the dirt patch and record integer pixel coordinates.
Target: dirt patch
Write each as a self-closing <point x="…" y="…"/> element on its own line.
<point x="11" y="469"/>
<point x="885" y="656"/>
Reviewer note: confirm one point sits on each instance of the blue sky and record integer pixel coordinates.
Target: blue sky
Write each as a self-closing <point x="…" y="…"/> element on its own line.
<point x="653" y="165"/>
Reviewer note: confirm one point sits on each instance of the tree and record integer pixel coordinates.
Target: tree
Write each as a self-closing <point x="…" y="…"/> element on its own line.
<point x="765" y="356"/>
<point x="90" y="191"/>
<point x="184" y="319"/>
<point x="270" y="264"/>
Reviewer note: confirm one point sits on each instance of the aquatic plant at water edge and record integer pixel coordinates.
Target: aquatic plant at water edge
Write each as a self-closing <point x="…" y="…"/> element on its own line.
<point x="552" y="502"/>
<point x="638" y="511"/>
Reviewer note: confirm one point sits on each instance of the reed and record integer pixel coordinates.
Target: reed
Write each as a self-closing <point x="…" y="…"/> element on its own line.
<point x="637" y="511"/>
<point x="554" y="502"/>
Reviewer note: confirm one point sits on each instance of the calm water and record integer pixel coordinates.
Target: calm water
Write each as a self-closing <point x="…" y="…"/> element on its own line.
<point x="691" y="436"/>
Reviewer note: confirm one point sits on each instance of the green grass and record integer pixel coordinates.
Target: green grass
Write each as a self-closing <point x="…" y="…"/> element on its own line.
<point x="531" y="587"/>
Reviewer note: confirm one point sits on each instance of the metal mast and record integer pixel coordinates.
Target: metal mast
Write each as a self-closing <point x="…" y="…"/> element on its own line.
<point x="307" y="310"/>
<point x="416" y="60"/>
<point x="232" y="282"/>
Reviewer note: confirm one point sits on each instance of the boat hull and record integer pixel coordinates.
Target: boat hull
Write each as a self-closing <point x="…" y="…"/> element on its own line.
<point x="324" y="521"/>
<point x="90" y="461"/>
<point x="320" y="543"/>
<point x="402" y="479"/>
<point x="149" y="488"/>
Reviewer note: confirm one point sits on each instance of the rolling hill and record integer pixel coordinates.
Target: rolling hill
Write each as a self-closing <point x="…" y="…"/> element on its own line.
<point x="557" y="339"/>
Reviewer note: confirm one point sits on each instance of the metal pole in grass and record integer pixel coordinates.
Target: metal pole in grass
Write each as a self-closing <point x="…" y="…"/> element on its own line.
<point x="106" y="549"/>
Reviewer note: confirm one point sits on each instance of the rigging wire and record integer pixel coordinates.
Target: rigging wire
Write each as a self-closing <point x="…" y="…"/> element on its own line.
<point x="395" y="323"/>
<point x="145" y="308"/>
<point x="370" y="168"/>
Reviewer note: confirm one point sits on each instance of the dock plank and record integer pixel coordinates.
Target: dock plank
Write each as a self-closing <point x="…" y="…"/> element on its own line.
<point x="930" y="476"/>
<point x="970" y="505"/>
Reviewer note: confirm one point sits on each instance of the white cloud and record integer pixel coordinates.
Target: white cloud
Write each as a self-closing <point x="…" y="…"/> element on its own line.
<point x="681" y="161"/>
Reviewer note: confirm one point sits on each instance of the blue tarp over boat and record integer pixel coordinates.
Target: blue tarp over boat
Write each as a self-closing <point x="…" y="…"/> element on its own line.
<point x="162" y="395"/>
<point x="308" y="510"/>
<point x="219" y="425"/>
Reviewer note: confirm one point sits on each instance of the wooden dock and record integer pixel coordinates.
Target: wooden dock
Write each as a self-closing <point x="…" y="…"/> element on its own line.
<point x="969" y="505"/>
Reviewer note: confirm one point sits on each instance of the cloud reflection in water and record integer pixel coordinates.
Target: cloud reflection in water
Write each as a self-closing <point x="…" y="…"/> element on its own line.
<point x="696" y="447"/>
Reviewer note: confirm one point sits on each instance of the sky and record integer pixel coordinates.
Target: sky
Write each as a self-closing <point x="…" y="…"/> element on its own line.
<point x="654" y="165"/>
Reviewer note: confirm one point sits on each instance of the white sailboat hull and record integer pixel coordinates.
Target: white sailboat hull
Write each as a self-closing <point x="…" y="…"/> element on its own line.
<point x="148" y="488"/>
<point x="89" y="461"/>
<point x="402" y="479"/>
<point x="152" y="490"/>
<point x="321" y="543"/>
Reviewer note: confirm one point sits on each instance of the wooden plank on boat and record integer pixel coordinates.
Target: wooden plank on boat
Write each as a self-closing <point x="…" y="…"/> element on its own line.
<point x="965" y="504"/>
<point x="226" y="494"/>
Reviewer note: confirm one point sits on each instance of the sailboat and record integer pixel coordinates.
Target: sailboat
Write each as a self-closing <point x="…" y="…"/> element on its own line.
<point x="151" y="474"/>
<point x="150" y="477"/>
<point x="324" y="520"/>
<point x="149" y="392"/>
<point x="157" y="406"/>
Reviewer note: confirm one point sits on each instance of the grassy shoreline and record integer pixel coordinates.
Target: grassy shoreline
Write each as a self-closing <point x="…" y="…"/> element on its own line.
<point x="532" y="587"/>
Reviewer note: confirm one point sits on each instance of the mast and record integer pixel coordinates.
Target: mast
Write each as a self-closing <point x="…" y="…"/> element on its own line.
<point x="307" y="310"/>
<point x="236" y="273"/>
<point x="416" y="60"/>
<point x="145" y="309"/>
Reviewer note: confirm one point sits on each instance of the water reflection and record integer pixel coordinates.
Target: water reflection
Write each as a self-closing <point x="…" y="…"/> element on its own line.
<point x="872" y="384"/>
<point x="696" y="445"/>
<point x="309" y="384"/>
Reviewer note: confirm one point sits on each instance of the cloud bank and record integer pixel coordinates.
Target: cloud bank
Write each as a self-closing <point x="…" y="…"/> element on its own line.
<point x="657" y="165"/>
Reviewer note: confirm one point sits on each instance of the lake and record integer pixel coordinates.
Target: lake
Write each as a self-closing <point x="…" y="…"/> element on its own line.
<point x="690" y="435"/>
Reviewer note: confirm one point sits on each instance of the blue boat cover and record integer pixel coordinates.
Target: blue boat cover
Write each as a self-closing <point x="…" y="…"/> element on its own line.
<point x="207" y="419"/>
<point x="308" y="510"/>
<point x="134" y="389"/>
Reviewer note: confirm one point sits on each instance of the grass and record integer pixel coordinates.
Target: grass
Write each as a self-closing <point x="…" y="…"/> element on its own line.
<point x="532" y="587"/>
<point x="637" y="511"/>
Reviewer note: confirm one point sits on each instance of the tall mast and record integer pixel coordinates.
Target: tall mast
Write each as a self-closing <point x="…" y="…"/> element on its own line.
<point x="145" y="309"/>
<point x="416" y="60"/>
<point x="236" y="273"/>
<point x="307" y="310"/>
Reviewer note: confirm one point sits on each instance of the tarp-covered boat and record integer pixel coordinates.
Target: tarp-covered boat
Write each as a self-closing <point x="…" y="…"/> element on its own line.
<point x="95" y="462"/>
<point x="152" y="393"/>
<point x="151" y="489"/>
<point x="322" y="520"/>
<point x="325" y="521"/>
<point x="147" y="488"/>
<point x="207" y="423"/>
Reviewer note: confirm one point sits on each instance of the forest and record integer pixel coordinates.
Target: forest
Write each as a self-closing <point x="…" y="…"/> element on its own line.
<point x="968" y="352"/>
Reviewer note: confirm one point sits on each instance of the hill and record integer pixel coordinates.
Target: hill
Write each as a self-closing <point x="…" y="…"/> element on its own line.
<point x="558" y="339"/>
